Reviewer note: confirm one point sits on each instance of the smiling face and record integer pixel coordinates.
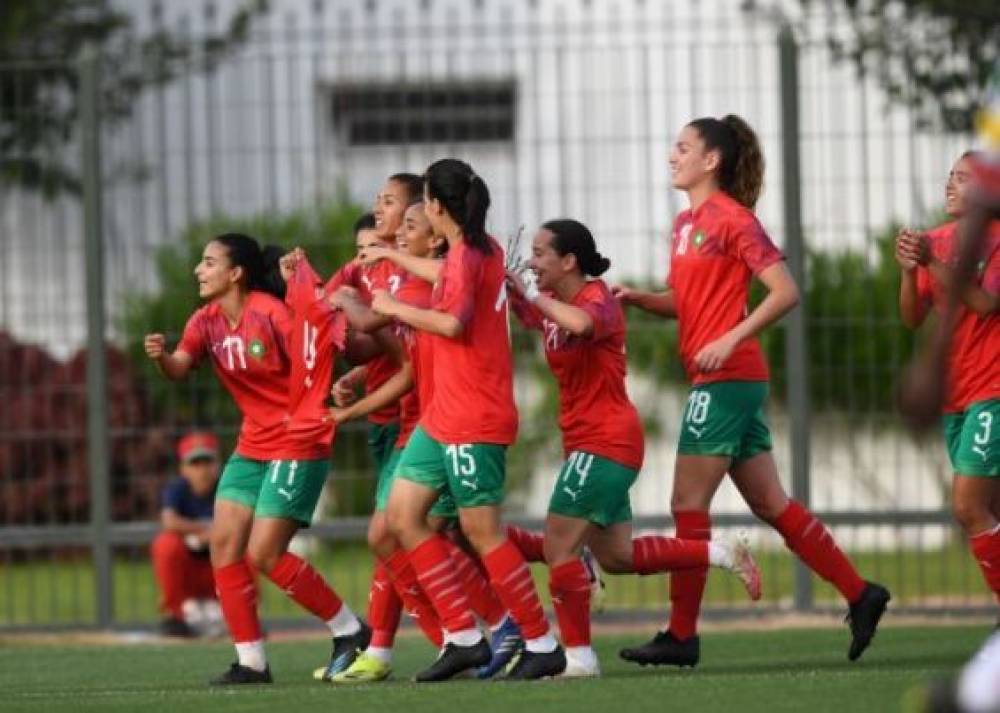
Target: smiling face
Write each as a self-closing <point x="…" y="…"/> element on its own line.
<point x="548" y="265"/>
<point x="690" y="163"/>
<point x="415" y="235"/>
<point x="957" y="188"/>
<point x="215" y="273"/>
<point x="390" y="204"/>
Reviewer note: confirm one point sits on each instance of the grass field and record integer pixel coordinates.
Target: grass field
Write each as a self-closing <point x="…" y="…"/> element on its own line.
<point x="60" y="592"/>
<point x="741" y="672"/>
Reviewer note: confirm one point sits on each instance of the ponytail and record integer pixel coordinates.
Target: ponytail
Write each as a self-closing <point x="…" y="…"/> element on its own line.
<point x="464" y="196"/>
<point x="572" y="236"/>
<point x="261" y="267"/>
<point x="741" y="168"/>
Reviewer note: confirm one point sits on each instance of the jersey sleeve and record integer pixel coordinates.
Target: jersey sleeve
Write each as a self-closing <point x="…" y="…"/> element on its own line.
<point x="748" y="242"/>
<point x="192" y="340"/>
<point x="925" y="289"/>
<point x="605" y="313"/>
<point x="526" y="313"/>
<point x="282" y="322"/>
<point x="347" y="275"/>
<point x="458" y="285"/>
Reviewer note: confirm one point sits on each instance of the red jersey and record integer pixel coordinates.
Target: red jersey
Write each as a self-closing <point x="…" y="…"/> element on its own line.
<point x="418" y="345"/>
<point x="473" y="373"/>
<point x="974" y="360"/>
<point x="715" y="252"/>
<point x="595" y="413"/>
<point x="251" y="361"/>
<point x="383" y="275"/>
<point x="317" y="336"/>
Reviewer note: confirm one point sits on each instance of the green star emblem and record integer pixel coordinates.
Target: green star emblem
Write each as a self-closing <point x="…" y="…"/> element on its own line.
<point x="257" y="349"/>
<point x="699" y="238"/>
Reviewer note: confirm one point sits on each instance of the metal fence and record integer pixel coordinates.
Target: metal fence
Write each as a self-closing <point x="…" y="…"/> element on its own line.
<point x="566" y="109"/>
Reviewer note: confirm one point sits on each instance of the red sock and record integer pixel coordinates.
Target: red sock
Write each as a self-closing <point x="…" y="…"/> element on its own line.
<point x="808" y="538"/>
<point x="531" y="544"/>
<point x="305" y="586"/>
<point x="436" y="575"/>
<point x="238" y="599"/>
<point x="569" y="585"/>
<point x="415" y="602"/>
<point x="384" y="608"/>
<point x="654" y="554"/>
<point x="482" y="598"/>
<point x="986" y="548"/>
<point x="688" y="586"/>
<point x="511" y="580"/>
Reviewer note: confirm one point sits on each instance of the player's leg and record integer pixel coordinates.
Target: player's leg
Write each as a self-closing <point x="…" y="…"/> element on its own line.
<point x="287" y="501"/>
<point x="569" y="587"/>
<point x="172" y="568"/>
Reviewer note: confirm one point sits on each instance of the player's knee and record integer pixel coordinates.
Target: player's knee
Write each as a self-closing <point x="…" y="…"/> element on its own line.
<point x="262" y="558"/>
<point x="615" y="562"/>
<point x="972" y="515"/>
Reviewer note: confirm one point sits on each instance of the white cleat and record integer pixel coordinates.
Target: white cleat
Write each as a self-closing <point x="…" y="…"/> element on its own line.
<point x="744" y="566"/>
<point x="581" y="662"/>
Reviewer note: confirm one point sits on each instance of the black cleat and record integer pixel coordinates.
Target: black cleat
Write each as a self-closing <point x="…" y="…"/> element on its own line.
<point x="864" y="616"/>
<point x="345" y="650"/>
<point x="455" y="659"/>
<point x="665" y="649"/>
<point x="172" y="626"/>
<point x="533" y="665"/>
<point x="238" y="675"/>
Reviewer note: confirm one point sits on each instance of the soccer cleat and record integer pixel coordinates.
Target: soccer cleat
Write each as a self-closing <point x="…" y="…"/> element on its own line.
<point x="174" y="627"/>
<point x="455" y="659"/>
<point x="597" y="592"/>
<point x="581" y="662"/>
<point x="505" y="642"/>
<point x="365" y="669"/>
<point x="863" y="617"/>
<point x="665" y="649"/>
<point x="239" y="675"/>
<point x="532" y="665"/>
<point x="345" y="651"/>
<point x="745" y="567"/>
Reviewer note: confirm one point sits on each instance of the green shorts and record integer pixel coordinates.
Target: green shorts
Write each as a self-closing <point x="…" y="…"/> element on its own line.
<point x="382" y="442"/>
<point x="725" y="419"/>
<point x="287" y="489"/>
<point x="473" y="473"/>
<point x="444" y="507"/>
<point x="593" y="488"/>
<point x="973" y="439"/>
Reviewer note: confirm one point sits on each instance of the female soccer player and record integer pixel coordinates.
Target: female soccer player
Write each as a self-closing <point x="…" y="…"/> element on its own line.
<point x="584" y="335"/>
<point x="270" y="484"/>
<point x="972" y="405"/>
<point x="461" y="441"/>
<point x="717" y="247"/>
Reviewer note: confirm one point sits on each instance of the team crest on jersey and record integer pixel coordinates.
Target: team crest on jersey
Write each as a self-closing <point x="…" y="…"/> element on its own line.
<point x="698" y="239"/>
<point x="257" y="349"/>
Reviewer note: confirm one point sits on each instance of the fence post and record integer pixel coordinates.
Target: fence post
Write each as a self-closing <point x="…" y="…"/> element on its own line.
<point x="796" y="347"/>
<point x="97" y="371"/>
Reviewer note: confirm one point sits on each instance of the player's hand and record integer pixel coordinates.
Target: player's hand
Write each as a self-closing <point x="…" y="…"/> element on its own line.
<point x="342" y="295"/>
<point x="384" y="303"/>
<point x="155" y="346"/>
<point x="714" y="354"/>
<point x="625" y="294"/>
<point x="289" y="261"/>
<point x="343" y="392"/>
<point x="374" y="253"/>
<point x="515" y="283"/>
<point x="906" y="251"/>
<point x="338" y="415"/>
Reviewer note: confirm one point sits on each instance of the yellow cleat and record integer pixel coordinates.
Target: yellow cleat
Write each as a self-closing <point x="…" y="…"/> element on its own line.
<point x="365" y="669"/>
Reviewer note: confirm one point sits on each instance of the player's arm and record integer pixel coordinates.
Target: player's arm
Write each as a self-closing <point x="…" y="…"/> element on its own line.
<point x="173" y="366"/>
<point x="343" y="390"/>
<point x="912" y="307"/>
<point x="573" y="319"/>
<point x="426" y="268"/>
<point x="782" y="296"/>
<point x="659" y="303"/>
<point x="388" y="393"/>
<point x="444" y="324"/>
<point x="358" y="314"/>
<point x="174" y="522"/>
<point x="972" y="295"/>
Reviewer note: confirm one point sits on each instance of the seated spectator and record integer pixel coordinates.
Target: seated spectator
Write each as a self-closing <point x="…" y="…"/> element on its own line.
<point x="180" y="552"/>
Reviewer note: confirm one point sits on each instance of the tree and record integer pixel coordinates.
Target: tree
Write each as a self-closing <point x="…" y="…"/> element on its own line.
<point x="39" y="82"/>
<point x="936" y="56"/>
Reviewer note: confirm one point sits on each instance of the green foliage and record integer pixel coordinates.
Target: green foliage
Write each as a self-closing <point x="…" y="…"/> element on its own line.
<point x="165" y="307"/>
<point x="933" y="55"/>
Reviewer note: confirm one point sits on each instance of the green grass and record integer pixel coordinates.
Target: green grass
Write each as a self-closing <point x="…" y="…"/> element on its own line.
<point x="61" y="592"/>
<point x="748" y="672"/>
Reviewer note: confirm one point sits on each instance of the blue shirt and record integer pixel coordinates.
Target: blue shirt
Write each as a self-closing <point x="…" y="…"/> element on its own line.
<point x="178" y="496"/>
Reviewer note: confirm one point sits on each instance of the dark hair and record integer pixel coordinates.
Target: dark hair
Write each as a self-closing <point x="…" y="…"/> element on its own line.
<point x="464" y="196"/>
<point x="741" y="170"/>
<point x="260" y="265"/>
<point x="413" y="184"/>
<point x="365" y="221"/>
<point x="572" y="236"/>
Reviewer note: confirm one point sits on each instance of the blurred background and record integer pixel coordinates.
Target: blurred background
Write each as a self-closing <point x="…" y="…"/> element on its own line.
<point x="133" y="131"/>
